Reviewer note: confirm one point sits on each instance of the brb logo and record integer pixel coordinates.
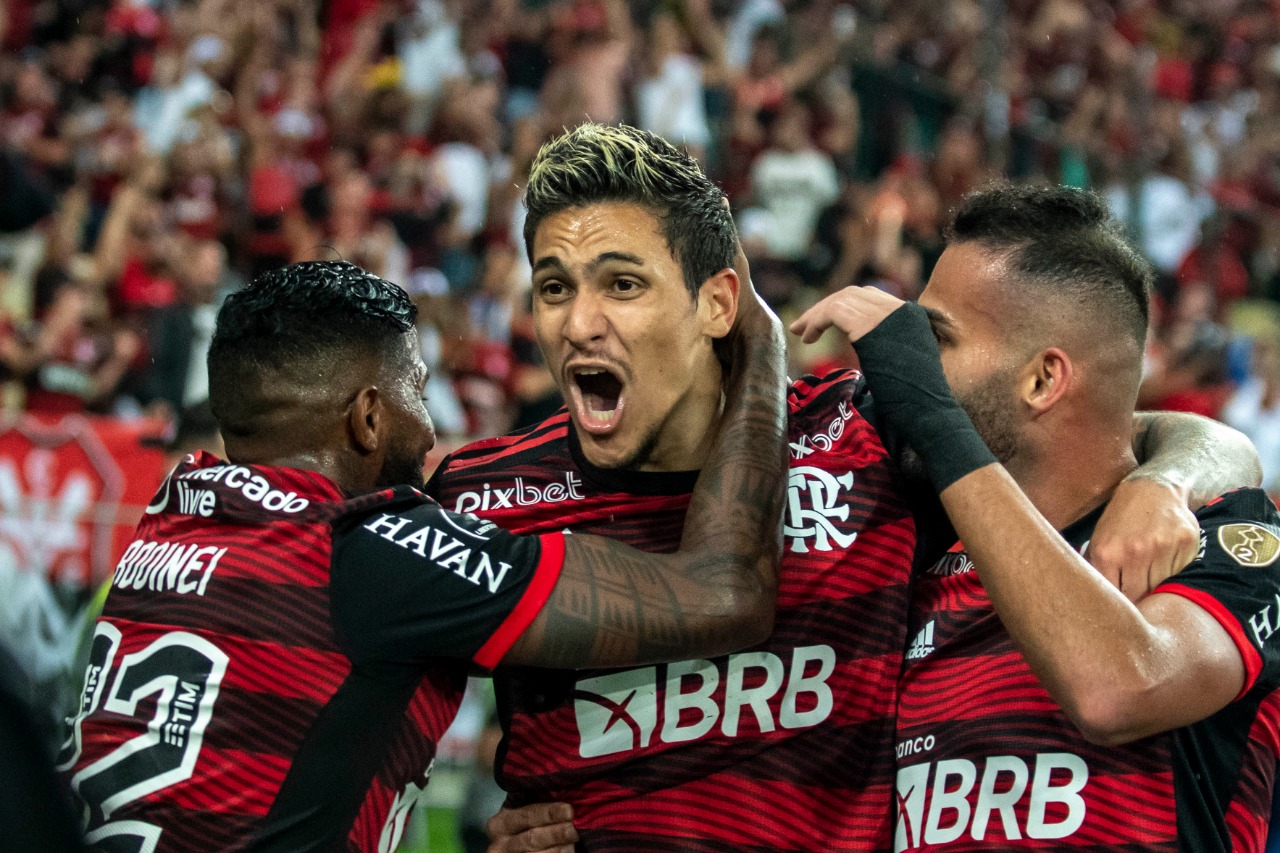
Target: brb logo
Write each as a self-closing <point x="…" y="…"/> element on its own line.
<point x="622" y="711"/>
<point x="813" y="506"/>
<point x="936" y="802"/>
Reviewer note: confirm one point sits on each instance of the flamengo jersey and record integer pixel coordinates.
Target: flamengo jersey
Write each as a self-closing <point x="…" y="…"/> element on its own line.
<point x="275" y="663"/>
<point x="987" y="761"/>
<point x="786" y="746"/>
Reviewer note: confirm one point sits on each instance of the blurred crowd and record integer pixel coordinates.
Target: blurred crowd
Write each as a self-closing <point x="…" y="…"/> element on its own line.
<point x="154" y="154"/>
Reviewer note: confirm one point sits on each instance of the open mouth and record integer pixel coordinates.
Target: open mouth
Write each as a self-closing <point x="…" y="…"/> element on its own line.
<point x="598" y="394"/>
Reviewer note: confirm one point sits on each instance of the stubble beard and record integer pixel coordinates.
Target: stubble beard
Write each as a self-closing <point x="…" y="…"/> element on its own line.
<point x="988" y="405"/>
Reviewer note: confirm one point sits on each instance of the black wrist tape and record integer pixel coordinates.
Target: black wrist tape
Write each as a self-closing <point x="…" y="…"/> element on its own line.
<point x="900" y="360"/>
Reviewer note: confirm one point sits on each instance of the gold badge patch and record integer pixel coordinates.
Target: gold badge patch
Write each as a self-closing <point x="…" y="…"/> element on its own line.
<point x="1249" y="544"/>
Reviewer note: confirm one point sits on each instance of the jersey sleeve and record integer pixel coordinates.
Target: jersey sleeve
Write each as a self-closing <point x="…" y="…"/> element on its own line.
<point x="434" y="485"/>
<point x="410" y="583"/>
<point x="1236" y="578"/>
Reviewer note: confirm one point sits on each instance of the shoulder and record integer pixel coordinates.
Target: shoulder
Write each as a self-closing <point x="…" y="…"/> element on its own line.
<point x="1240" y="527"/>
<point x="840" y="393"/>
<point x="532" y="442"/>
<point x="400" y="513"/>
<point x="814" y="391"/>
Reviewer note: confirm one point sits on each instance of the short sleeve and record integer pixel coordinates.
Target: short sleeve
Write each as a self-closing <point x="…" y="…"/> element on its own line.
<point x="1236" y="578"/>
<point x="411" y="583"/>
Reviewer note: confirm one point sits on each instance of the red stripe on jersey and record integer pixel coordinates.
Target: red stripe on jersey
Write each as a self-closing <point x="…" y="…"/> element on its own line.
<point x="430" y="713"/>
<point x="229" y="781"/>
<point x="1266" y="726"/>
<point x="1249" y="811"/>
<point x="557" y="424"/>
<point x="299" y="673"/>
<point x="1248" y="831"/>
<point x="366" y="830"/>
<point x="802" y="392"/>
<point x="287" y="554"/>
<point x="698" y="810"/>
<point x="535" y="596"/>
<point x="1252" y="660"/>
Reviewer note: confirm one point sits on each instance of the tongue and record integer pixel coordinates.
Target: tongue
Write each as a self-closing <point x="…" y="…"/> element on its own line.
<point x="600" y="393"/>
<point x="596" y="402"/>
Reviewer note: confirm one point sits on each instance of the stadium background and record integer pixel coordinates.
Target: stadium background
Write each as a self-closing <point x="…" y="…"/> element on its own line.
<point x="155" y="154"/>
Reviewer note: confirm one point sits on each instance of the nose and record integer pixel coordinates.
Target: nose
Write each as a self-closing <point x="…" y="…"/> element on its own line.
<point x="585" y="321"/>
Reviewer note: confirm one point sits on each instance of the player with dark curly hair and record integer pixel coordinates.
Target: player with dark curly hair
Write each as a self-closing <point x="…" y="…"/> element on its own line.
<point x="289" y="634"/>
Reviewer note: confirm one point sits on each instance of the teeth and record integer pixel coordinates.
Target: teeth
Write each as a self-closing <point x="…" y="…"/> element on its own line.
<point x="588" y="371"/>
<point x="599" y="416"/>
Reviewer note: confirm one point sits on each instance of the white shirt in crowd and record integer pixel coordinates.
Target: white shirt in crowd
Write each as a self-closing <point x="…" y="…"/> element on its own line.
<point x="794" y="187"/>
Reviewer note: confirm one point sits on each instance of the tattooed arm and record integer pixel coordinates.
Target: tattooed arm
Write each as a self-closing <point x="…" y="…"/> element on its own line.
<point x="1147" y="531"/>
<point x="412" y="582"/>
<point x="1198" y="458"/>
<point x="615" y="606"/>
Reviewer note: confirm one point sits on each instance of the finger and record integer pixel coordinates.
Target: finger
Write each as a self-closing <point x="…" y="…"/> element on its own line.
<point x="508" y="822"/>
<point x="1135" y="580"/>
<point x="541" y="839"/>
<point x="1180" y="556"/>
<point x="812" y="323"/>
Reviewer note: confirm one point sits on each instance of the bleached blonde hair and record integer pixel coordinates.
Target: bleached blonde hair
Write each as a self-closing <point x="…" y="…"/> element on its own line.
<point x="599" y="164"/>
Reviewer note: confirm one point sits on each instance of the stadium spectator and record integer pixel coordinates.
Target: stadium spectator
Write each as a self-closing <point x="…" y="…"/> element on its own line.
<point x="179" y="335"/>
<point x="1254" y="409"/>
<point x="218" y="121"/>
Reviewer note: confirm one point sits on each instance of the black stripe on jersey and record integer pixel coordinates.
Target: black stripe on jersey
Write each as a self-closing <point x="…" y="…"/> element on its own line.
<point x="625" y="481"/>
<point x="528" y="445"/>
<point x="1207" y="759"/>
<point x="331" y="774"/>
<point x="812" y="387"/>
<point x="512" y="443"/>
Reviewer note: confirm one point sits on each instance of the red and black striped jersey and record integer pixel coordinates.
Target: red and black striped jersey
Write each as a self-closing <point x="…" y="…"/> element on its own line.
<point x="275" y="661"/>
<point x="786" y="746"/>
<point x="987" y="760"/>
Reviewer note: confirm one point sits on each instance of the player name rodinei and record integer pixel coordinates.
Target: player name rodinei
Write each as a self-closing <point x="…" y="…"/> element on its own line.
<point x="166" y="567"/>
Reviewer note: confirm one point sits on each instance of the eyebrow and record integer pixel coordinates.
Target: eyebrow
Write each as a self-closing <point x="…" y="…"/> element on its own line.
<point x="552" y="262"/>
<point x="937" y="318"/>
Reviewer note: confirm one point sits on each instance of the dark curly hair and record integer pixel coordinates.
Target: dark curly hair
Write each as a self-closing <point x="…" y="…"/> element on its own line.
<point x="294" y="319"/>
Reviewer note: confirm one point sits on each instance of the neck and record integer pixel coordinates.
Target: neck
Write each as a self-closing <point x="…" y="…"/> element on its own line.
<point x="684" y="441"/>
<point x="1074" y="471"/>
<point x="325" y="463"/>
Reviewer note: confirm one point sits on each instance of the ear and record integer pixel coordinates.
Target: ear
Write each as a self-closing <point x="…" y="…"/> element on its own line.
<point x="718" y="303"/>
<point x="365" y="419"/>
<point x="1047" y="380"/>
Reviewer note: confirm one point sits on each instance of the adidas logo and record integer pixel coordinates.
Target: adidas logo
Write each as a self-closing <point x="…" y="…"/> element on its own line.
<point x="922" y="645"/>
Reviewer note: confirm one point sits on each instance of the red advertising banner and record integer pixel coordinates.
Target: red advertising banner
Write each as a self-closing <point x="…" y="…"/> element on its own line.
<point x="71" y="492"/>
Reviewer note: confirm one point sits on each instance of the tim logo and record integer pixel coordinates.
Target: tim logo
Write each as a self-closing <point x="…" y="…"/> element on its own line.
<point x="814" y="504"/>
<point x="616" y="712"/>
